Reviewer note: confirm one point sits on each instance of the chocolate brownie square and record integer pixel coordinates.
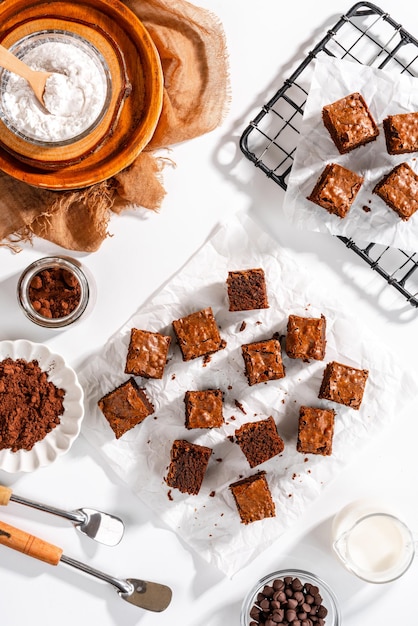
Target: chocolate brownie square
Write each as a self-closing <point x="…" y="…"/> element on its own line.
<point x="306" y="337"/>
<point x="247" y="290"/>
<point x="198" y="334"/>
<point x="125" y="407"/>
<point x="253" y="498"/>
<point x="401" y="133"/>
<point x="349" y="122"/>
<point x="399" y="190"/>
<point x="263" y="361"/>
<point x="315" y="430"/>
<point x="188" y="466"/>
<point x="147" y="354"/>
<point x="336" y="189"/>
<point x="259" y="441"/>
<point x="204" y="409"/>
<point x="343" y="384"/>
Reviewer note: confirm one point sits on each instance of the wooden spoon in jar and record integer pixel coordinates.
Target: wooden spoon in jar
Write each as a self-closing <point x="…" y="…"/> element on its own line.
<point x="36" y="79"/>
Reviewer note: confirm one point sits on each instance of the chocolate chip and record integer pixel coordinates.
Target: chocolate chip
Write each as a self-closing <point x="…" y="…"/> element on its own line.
<point x="278" y="584"/>
<point x="288" y="602"/>
<point x="278" y="616"/>
<point x="268" y="591"/>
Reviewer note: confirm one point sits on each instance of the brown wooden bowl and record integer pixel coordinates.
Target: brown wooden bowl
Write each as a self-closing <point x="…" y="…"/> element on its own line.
<point x="136" y="98"/>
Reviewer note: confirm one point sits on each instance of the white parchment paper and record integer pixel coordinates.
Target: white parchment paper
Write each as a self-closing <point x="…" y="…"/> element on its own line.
<point x="386" y="93"/>
<point x="209" y="522"/>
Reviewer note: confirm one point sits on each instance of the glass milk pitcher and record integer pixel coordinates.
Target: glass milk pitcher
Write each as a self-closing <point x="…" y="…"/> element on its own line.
<point x="372" y="542"/>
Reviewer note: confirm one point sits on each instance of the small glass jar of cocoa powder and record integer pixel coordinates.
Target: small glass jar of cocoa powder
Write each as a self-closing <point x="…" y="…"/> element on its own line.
<point x="54" y="292"/>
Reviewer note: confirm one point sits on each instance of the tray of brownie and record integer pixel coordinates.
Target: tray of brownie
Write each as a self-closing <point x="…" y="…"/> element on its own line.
<point x="240" y="392"/>
<point x="370" y="222"/>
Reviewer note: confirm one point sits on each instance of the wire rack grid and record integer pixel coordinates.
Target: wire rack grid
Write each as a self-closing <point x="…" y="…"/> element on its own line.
<point x="367" y="35"/>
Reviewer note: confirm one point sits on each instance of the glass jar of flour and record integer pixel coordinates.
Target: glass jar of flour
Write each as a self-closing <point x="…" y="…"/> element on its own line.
<point x="77" y="93"/>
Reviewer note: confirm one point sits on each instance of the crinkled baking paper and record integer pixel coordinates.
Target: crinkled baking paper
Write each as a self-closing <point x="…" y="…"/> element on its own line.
<point x="209" y="522"/>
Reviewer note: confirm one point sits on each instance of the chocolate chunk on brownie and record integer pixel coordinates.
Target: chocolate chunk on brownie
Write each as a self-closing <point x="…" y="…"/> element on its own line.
<point x="147" y="353"/>
<point x="125" y="407"/>
<point x="198" y="334"/>
<point x="315" y="430"/>
<point x="336" y="189"/>
<point x="263" y="361"/>
<point x="188" y="466"/>
<point x="204" y="409"/>
<point x="349" y="122"/>
<point x="253" y="498"/>
<point x="399" y="190"/>
<point x="401" y="133"/>
<point x="247" y="290"/>
<point x="306" y="337"/>
<point x="343" y="384"/>
<point x="259" y="441"/>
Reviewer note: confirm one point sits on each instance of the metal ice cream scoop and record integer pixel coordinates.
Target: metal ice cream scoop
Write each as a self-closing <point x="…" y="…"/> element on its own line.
<point x="101" y="527"/>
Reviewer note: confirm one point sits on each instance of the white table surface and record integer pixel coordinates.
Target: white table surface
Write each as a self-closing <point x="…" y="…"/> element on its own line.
<point x="211" y="181"/>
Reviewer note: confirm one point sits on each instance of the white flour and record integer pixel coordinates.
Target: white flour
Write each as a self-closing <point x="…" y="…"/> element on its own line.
<point x="74" y="94"/>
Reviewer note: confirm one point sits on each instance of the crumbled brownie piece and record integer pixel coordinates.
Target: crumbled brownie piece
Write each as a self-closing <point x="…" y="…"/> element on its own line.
<point x="259" y="441"/>
<point x="349" y="122"/>
<point x="247" y="290"/>
<point x="399" y="190"/>
<point x="147" y="354"/>
<point x="343" y="384"/>
<point x="204" y="409"/>
<point x="125" y="407"/>
<point x="198" y="334"/>
<point x="188" y="466"/>
<point x="306" y="337"/>
<point x="315" y="430"/>
<point x="401" y="133"/>
<point x="336" y="189"/>
<point x="253" y="498"/>
<point x="263" y="361"/>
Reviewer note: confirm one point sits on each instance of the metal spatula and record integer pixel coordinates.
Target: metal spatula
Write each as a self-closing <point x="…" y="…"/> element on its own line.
<point x="142" y="593"/>
<point x="101" y="527"/>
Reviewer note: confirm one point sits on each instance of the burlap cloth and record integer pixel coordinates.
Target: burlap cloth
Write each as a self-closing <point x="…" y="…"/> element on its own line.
<point x="191" y="44"/>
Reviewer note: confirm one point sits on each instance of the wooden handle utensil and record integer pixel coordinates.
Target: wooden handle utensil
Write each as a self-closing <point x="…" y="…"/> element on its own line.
<point x="29" y="544"/>
<point x="141" y="593"/>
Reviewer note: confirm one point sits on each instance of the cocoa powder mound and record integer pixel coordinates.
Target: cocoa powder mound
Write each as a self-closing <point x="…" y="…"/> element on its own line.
<point x="30" y="404"/>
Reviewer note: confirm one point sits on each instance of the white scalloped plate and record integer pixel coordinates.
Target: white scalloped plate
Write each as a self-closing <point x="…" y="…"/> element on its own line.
<point x="59" y="440"/>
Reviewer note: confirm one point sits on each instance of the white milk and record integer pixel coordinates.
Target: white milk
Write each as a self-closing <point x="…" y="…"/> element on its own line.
<point x="372" y="542"/>
<point x="376" y="544"/>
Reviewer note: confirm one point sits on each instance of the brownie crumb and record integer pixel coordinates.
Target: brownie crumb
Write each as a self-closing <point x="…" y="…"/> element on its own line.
<point x="240" y="407"/>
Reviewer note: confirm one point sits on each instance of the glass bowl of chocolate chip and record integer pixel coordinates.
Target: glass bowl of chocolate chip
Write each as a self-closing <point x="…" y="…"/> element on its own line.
<point x="54" y="292"/>
<point x="293" y="597"/>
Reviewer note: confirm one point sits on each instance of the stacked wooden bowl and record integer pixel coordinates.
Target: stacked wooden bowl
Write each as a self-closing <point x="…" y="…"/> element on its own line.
<point x="134" y="106"/>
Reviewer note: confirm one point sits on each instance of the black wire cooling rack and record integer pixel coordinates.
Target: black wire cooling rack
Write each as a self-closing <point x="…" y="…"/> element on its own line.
<point x="370" y="36"/>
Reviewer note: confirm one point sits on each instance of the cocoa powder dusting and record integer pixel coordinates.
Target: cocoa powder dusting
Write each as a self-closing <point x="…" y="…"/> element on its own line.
<point x="30" y="404"/>
<point x="54" y="292"/>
